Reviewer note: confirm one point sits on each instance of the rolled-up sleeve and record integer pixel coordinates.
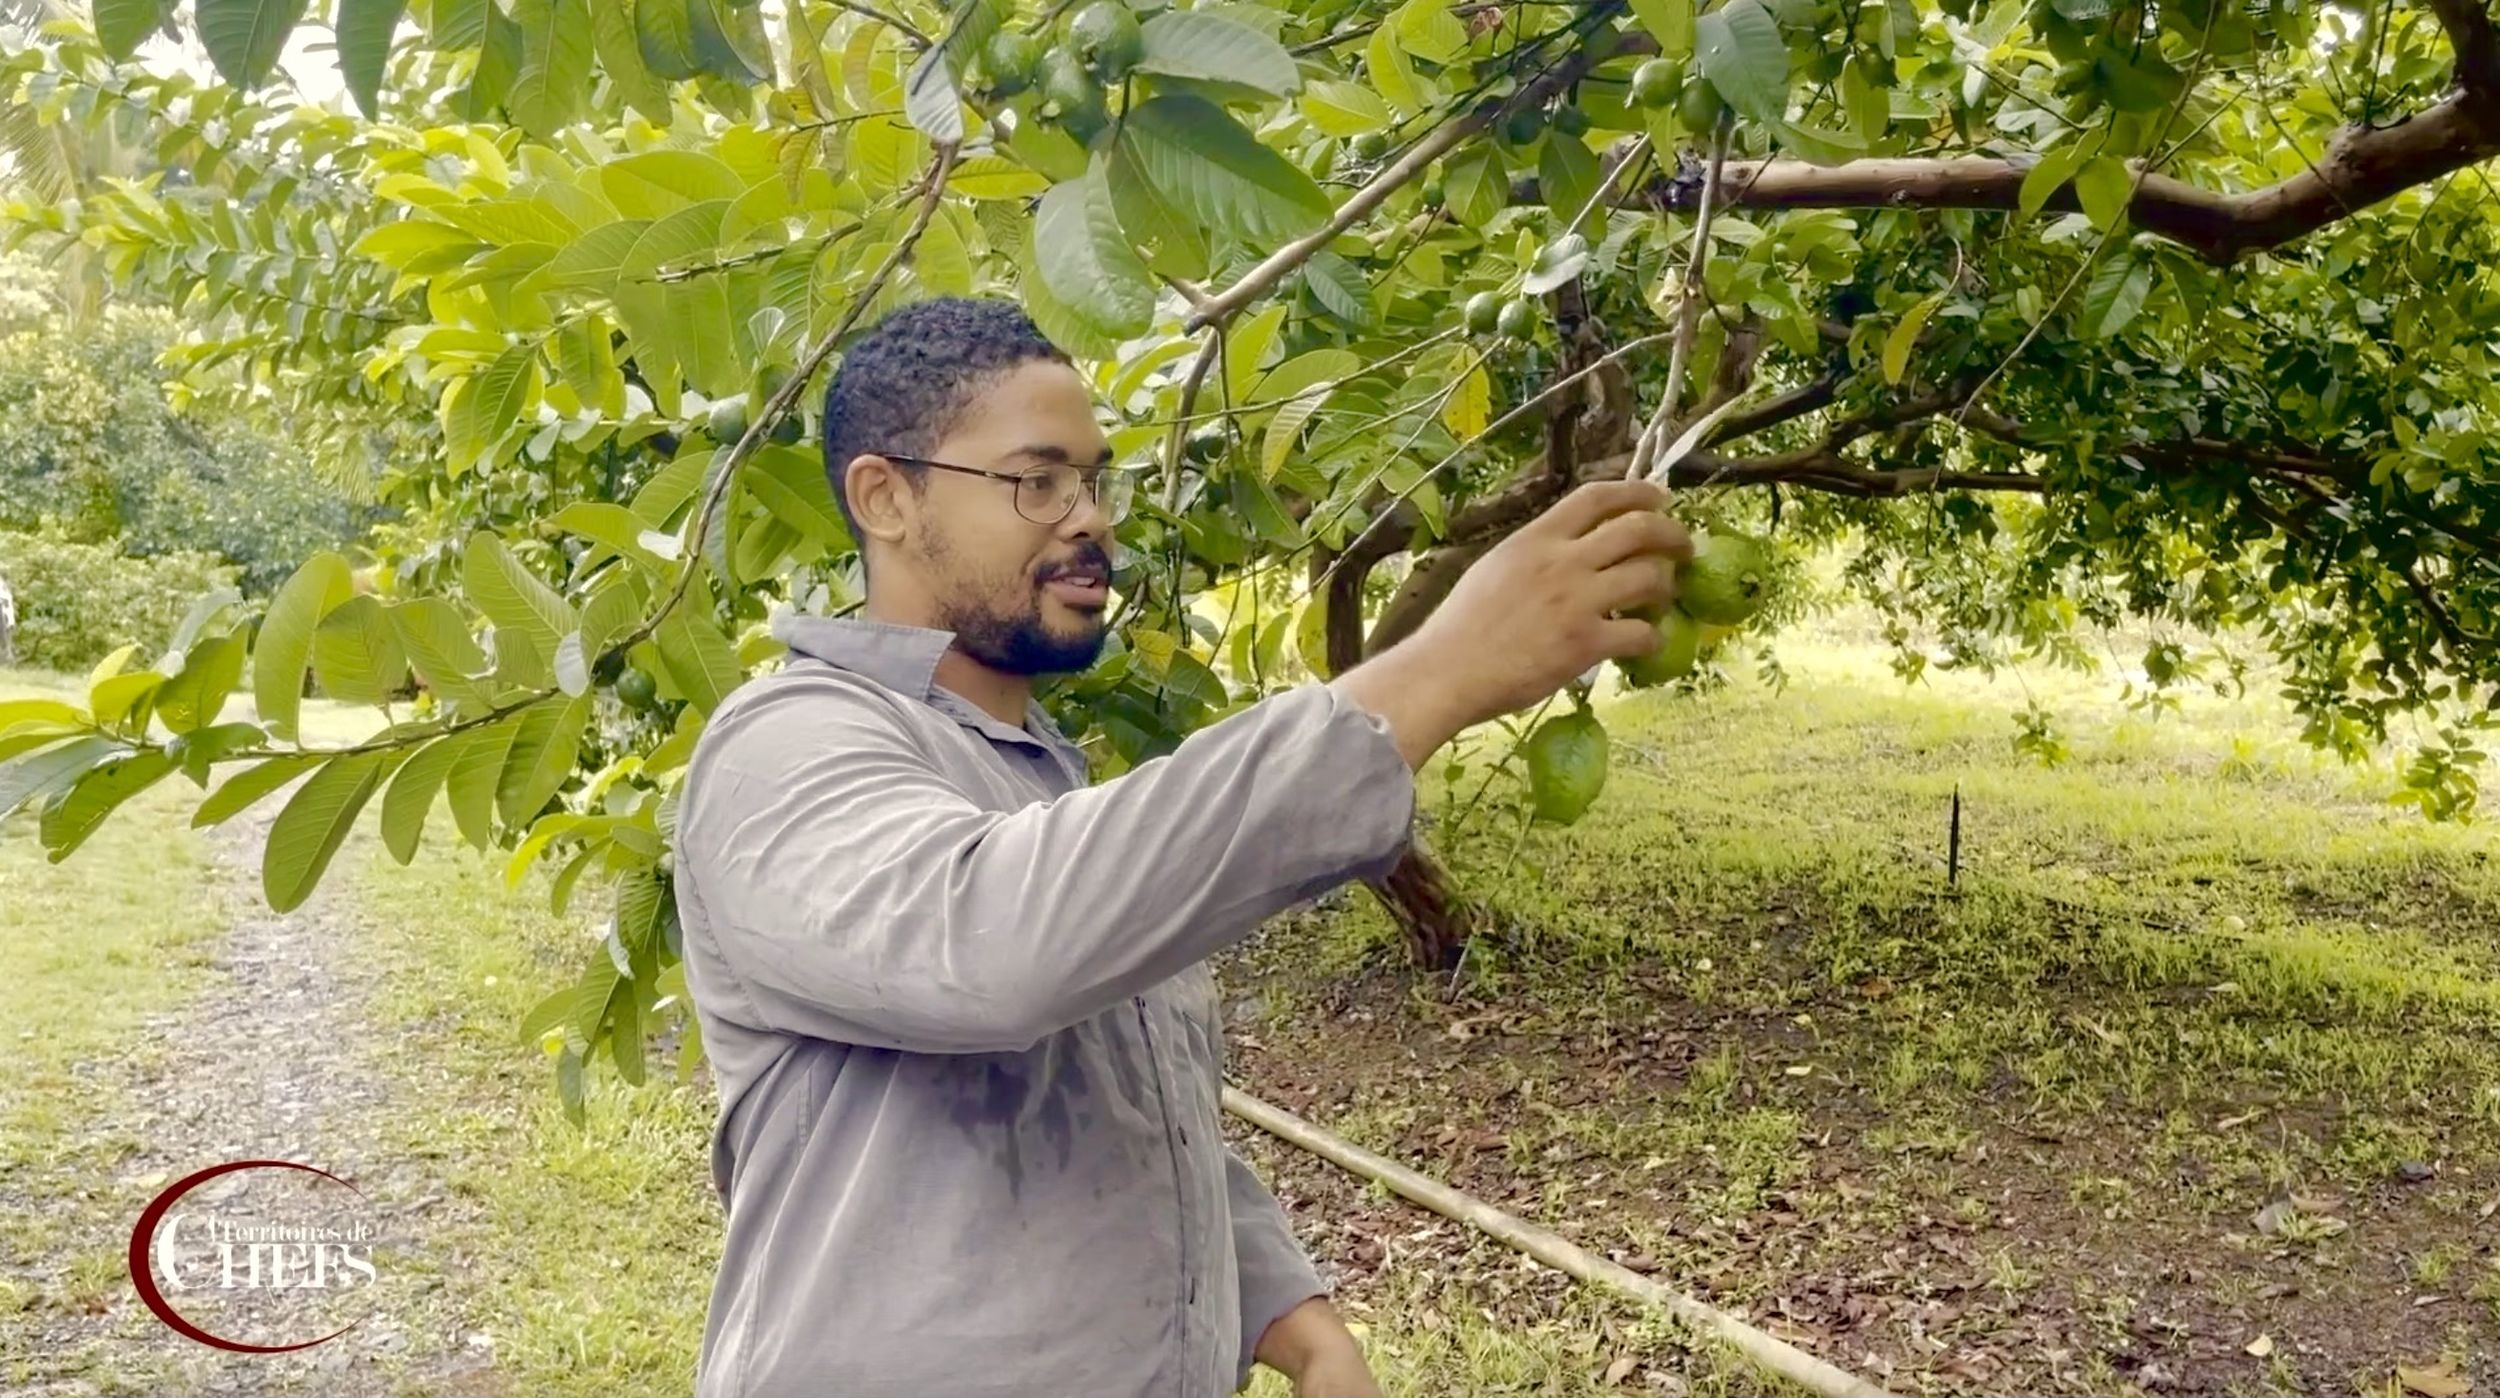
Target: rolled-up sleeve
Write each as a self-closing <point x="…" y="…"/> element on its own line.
<point x="1276" y="1274"/>
<point x="857" y="892"/>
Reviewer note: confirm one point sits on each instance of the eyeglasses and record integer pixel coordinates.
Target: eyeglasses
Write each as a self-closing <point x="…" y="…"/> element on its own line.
<point x="1047" y="494"/>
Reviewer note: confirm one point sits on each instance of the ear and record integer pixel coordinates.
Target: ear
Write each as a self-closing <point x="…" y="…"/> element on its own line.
<point x="880" y="498"/>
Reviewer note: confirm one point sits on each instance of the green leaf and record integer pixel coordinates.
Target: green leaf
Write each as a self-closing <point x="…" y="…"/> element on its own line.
<point x="1245" y="351"/>
<point x="1195" y="44"/>
<point x="37" y="775"/>
<point x="930" y="99"/>
<point x="595" y="261"/>
<point x="1174" y="244"/>
<point x="1265" y="512"/>
<point x="615" y="527"/>
<point x="357" y="656"/>
<point x="1345" y="109"/>
<point x="1744" y="57"/>
<point x="411" y="797"/>
<point x="69" y="821"/>
<point x="1567" y="175"/>
<point x="994" y="177"/>
<point x="364" y="36"/>
<point x="586" y="357"/>
<point x="1818" y="145"/>
<point x="1303" y="371"/>
<point x="475" y="772"/>
<point x="1556" y="263"/>
<point x="210" y="670"/>
<point x="1385" y="65"/>
<point x="19" y="739"/>
<point x="657" y="183"/>
<point x="1340" y="287"/>
<point x="543" y="751"/>
<point x="1904" y="336"/>
<point x="1475" y="187"/>
<point x="1087" y="261"/>
<point x="2042" y="181"/>
<point x="1211" y="168"/>
<point x="1469" y="411"/>
<point x="201" y="748"/>
<point x="729" y="39"/>
<point x="440" y="649"/>
<point x="125" y="700"/>
<point x="613" y="610"/>
<point x="496" y="399"/>
<point x="2102" y="186"/>
<point x="17" y="711"/>
<point x="123" y="25"/>
<point x="2115" y="296"/>
<point x="457" y="24"/>
<point x="204" y="609"/>
<point x="793" y="486"/>
<point x="664" y="32"/>
<point x="554" y="80"/>
<point x="524" y="609"/>
<point x="1284" y="433"/>
<point x="245" y="37"/>
<point x="245" y="788"/>
<point x="1430" y="31"/>
<point x="1072" y="331"/>
<point x="614" y="33"/>
<point x="1670" y="22"/>
<point x="498" y="63"/>
<point x="315" y="822"/>
<point x="698" y="657"/>
<point x="286" y="637"/>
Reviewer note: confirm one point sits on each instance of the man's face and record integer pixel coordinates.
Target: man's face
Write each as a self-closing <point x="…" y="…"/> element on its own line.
<point x="1022" y="597"/>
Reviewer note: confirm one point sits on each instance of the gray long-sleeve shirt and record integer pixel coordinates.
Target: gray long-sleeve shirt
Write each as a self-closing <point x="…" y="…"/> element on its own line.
<point x="968" y="1052"/>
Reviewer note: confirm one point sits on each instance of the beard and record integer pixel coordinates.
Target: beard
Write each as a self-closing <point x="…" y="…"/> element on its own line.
<point x="1001" y="624"/>
<point x="1022" y="643"/>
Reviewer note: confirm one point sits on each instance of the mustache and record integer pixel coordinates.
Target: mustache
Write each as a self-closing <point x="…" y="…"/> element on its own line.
<point x="1091" y="558"/>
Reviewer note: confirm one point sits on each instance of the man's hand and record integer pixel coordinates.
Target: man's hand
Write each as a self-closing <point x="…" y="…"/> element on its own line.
<point x="1311" y="1345"/>
<point x="1537" y="611"/>
<point x="1337" y="1375"/>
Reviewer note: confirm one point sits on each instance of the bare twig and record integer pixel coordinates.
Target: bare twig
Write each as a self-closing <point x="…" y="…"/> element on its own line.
<point x="1688" y="309"/>
<point x="1174" y="442"/>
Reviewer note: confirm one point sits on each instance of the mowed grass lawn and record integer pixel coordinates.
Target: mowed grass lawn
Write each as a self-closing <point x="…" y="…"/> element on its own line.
<point x="2188" y="911"/>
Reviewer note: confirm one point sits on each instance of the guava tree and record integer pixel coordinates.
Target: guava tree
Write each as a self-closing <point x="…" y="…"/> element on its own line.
<point x="2047" y="312"/>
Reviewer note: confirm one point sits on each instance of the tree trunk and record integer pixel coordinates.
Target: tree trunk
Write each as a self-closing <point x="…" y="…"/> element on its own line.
<point x="1437" y="921"/>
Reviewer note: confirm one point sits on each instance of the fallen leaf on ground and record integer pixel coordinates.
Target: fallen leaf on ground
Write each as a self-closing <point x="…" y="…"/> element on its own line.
<point x="2437" y="1381"/>
<point x="2262" y="1346"/>
<point x="1619" y="1370"/>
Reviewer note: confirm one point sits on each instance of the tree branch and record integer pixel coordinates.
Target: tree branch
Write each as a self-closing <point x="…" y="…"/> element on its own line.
<point x="1259" y="280"/>
<point x="2363" y="165"/>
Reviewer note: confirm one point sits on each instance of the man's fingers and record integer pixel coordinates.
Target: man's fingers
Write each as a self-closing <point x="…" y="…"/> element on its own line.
<point x="1631" y="535"/>
<point x="1624" y="637"/>
<point x="1581" y="510"/>
<point x="1643" y="580"/>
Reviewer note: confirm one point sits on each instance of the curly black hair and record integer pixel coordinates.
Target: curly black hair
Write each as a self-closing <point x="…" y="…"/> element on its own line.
<point x="902" y="387"/>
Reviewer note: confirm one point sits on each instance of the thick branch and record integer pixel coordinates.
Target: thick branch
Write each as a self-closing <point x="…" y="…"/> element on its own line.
<point x="2477" y="42"/>
<point x="2362" y="166"/>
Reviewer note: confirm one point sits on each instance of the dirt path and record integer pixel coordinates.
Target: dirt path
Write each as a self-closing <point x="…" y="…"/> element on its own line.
<point x="270" y="1056"/>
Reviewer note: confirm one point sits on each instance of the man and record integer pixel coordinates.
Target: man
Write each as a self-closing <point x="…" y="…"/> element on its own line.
<point x="955" y="998"/>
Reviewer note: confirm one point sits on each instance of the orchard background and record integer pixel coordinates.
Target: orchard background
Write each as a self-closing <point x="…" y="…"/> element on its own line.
<point x="479" y="402"/>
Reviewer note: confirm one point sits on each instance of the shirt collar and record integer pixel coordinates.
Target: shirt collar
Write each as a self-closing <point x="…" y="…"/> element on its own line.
<point x="904" y="658"/>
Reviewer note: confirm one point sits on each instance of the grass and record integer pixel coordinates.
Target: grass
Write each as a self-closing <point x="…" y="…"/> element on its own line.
<point x="2192" y="925"/>
<point x="97" y="945"/>
<point x="2190" y="968"/>
<point x="592" y="1251"/>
